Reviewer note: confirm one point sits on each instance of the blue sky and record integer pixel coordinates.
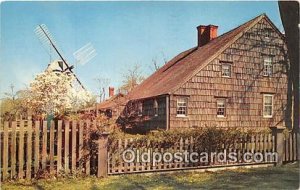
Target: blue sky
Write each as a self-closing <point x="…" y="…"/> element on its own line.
<point x="123" y="33"/>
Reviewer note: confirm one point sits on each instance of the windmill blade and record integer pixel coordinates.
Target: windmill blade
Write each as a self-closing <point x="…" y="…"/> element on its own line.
<point x="46" y="38"/>
<point x="85" y="54"/>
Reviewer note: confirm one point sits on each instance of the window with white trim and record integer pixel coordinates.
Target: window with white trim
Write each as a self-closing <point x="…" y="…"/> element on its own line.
<point x="226" y="70"/>
<point x="155" y="107"/>
<point x="268" y="105"/>
<point x="268" y="66"/>
<point x="221" y="109"/>
<point x="182" y="107"/>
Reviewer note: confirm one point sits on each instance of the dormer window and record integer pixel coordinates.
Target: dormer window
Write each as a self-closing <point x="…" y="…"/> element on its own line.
<point x="268" y="67"/>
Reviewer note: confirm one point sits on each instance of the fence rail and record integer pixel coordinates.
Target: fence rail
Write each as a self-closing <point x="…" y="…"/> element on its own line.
<point x="30" y="149"/>
<point x="259" y="143"/>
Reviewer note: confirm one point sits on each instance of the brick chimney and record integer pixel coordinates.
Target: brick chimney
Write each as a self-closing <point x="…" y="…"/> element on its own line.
<point x="111" y="91"/>
<point x="206" y="34"/>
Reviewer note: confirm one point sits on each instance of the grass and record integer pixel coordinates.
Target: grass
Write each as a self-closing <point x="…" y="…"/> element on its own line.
<point x="284" y="177"/>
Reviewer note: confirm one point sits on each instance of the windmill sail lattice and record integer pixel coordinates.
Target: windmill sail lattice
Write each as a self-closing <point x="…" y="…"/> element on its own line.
<point x="85" y="54"/>
<point x="47" y="41"/>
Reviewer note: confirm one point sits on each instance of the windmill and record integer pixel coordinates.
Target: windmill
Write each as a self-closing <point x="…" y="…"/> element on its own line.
<point x="82" y="56"/>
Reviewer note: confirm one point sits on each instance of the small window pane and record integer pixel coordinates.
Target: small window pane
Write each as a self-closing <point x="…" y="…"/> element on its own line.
<point x="182" y="107"/>
<point x="268" y="105"/>
<point x="226" y="70"/>
<point x="221" y="108"/>
<point x="268" y="67"/>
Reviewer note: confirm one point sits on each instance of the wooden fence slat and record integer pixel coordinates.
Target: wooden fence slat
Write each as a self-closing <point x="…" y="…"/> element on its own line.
<point x="87" y="153"/>
<point x="119" y="156"/>
<point x="244" y="147"/>
<point x="21" y="151"/>
<point x="37" y="147"/>
<point x="13" y="149"/>
<point x="52" y="127"/>
<point x="181" y="150"/>
<point x="67" y="154"/>
<point x="131" y="164"/>
<point x="270" y="145"/>
<point x="29" y="150"/>
<point x="59" y="145"/>
<point x="125" y="147"/>
<point x="80" y="146"/>
<point x="5" y="151"/>
<point x="273" y="143"/>
<point x="186" y="142"/>
<point x="74" y="128"/>
<point x="265" y="143"/>
<point x="44" y="145"/>
<point x="148" y="146"/>
<point x="291" y="146"/>
<point x="294" y="146"/>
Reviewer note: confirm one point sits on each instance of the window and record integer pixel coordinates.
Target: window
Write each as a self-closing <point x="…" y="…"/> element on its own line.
<point x="268" y="67"/>
<point x="267" y="34"/>
<point x="182" y="107"/>
<point x="140" y="109"/>
<point x="155" y="107"/>
<point x="221" y="108"/>
<point x="226" y="70"/>
<point x="268" y="105"/>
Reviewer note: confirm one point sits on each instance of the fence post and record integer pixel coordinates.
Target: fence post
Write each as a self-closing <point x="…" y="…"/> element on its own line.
<point x="103" y="155"/>
<point x="297" y="139"/>
<point x="279" y="144"/>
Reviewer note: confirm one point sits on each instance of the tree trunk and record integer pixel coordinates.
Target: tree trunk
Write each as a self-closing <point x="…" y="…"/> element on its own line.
<point x="289" y="12"/>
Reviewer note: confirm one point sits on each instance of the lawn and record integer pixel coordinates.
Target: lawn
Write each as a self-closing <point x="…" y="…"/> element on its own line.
<point x="285" y="177"/>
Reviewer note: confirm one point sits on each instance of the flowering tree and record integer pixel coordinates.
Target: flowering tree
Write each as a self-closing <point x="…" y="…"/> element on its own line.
<point x="55" y="93"/>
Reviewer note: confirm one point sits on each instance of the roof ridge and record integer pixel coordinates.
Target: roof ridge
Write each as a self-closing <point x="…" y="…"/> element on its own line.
<point x="186" y="64"/>
<point x="257" y="18"/>
<point x="193" y="49"/>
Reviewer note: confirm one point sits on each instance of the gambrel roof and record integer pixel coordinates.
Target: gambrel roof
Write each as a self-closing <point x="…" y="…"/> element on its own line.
<point x="181" y="68"/>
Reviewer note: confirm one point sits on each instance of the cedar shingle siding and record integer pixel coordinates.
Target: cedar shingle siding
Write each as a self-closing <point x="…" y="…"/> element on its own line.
<point x="244" y="90"/>
<point x="196" y="74"/>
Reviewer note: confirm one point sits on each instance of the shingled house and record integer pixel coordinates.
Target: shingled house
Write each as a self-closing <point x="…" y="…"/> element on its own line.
<point x="236" y="79"/>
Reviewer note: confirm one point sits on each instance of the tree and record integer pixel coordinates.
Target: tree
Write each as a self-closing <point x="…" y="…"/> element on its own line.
<point x="55" y="93"/>
<point x="13" y="105"/>
<point x="289" y="12"/>
<point x="155" y="65"/>
<point x="131" y="78"/>
<point x="101" y="85"/>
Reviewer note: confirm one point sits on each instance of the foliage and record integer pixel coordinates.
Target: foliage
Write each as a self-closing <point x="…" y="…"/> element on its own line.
<point x="93" y="132"/>
<point x="208" y="138"/>
<point x="55" y="93"/>
<point x="131" y="78"/>
<point x="13" y="105"/>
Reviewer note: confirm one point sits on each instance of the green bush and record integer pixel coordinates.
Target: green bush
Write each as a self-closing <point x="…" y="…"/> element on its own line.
<point x="209" y="138"/>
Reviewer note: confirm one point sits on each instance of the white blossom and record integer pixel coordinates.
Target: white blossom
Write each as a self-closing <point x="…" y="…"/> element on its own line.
<point x="55" y="93"/>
